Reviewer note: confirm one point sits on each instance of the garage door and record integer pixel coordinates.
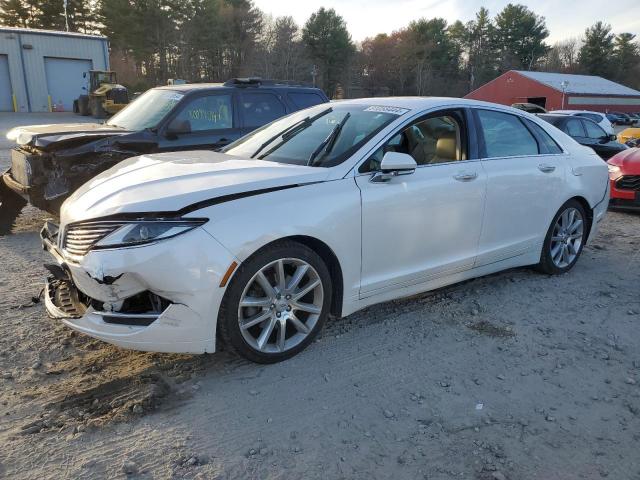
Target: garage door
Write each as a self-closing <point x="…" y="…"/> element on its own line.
<point x="6" y="104"/>
<point x="64" y="79"/>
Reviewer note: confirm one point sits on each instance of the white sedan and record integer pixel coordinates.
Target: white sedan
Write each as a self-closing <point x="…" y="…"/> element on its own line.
<point x="318" y="214"/>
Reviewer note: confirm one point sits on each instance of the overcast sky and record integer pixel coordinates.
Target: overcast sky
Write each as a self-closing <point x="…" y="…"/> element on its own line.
<point x="368" y="17"/>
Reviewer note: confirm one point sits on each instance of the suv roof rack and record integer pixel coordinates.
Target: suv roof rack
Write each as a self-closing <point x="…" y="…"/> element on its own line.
<point x="257" y="81"/>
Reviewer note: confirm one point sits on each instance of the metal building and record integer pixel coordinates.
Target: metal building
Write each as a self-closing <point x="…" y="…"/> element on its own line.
<point x="557" y="91"/>
<point x="42" y="70"/>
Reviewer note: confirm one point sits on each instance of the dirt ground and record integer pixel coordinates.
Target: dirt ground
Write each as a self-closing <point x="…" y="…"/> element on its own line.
<point x="514" y="376"/>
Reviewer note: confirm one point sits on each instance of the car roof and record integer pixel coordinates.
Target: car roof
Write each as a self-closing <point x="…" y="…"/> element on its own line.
<point x="576" y="111"/>
<point x="191" y="87"/>
<point x="423" y="103"/>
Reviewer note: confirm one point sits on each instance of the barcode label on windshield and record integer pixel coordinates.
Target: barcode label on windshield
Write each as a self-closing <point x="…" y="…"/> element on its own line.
<point x="382" y="109"/>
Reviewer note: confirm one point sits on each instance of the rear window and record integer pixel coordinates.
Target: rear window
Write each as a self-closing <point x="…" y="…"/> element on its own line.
<point x="574" y="128"/>
<point x="591" y="116"/>
<point x="260" y="108"/>
<point x="546" y="143"/>
<point x="305" y="100"/>
<point x="505" y="135"/>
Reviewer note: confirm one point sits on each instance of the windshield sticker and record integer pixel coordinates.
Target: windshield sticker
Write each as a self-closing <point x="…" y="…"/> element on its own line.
<point x="382" y="109"/>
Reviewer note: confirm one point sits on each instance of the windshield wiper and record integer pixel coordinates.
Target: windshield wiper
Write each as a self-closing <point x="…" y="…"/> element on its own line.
<point x="290" y="132"/>
<point x="328" y="143"/>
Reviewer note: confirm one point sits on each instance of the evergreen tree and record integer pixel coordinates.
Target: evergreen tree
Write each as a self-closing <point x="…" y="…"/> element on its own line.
<point x="520" y="35"/>
<point x="329" y="45"/>
<point x="15" y="13"/>
<point x="596" y="54"/>
<point x="626" y="55"/>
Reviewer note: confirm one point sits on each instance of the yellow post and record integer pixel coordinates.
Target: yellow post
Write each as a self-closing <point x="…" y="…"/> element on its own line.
<point x="15" y="103"/>
<point x="49" y="100"/>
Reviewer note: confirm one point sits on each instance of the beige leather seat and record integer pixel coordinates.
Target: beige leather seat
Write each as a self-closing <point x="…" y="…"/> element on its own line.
<point x="447" y="148"/>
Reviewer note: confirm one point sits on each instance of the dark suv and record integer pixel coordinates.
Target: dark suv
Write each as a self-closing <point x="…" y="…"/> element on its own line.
<point x="51" y="161"/>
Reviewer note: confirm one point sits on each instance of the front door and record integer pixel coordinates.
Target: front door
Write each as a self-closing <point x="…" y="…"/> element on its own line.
<point x="203" y="122"/>
<point x="424" y="225"/>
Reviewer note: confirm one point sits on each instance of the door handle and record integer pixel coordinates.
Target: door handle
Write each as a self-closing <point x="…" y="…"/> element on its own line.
<point x="466" y="176"/>
<point x="543" y="167"/>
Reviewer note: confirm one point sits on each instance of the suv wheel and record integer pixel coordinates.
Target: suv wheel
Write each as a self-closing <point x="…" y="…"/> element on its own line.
<point x="11" y="204"/>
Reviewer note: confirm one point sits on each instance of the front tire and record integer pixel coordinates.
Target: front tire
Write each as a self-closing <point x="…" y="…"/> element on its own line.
<point x="565" y="239"/>
<point x="276" y="303"/>
<point x="11" y="204"/>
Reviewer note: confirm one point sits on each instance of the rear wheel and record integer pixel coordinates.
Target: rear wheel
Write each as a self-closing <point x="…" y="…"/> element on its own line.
<point x="83" y="105"/>
<point x="96" y="108"/>
<point x="565" y="239"/>
<point x="11" y="204"/>
<point x="276" y="303"/>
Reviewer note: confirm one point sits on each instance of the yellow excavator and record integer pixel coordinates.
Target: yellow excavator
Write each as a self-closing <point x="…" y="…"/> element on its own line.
<point x="104" y="97"/>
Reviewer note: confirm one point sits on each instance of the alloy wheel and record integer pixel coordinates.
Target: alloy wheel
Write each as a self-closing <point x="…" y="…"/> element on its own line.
<point x="280" y="305"/>
<point x="567" y="237"/>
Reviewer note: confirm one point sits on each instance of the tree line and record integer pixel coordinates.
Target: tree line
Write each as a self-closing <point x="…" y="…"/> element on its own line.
<point x="213" y="40"/>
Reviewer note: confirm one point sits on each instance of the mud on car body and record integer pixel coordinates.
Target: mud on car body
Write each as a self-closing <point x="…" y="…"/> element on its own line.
<point x="50" y="162"/>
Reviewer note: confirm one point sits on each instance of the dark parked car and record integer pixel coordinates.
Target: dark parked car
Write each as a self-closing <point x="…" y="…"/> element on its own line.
<point x="615" y="119"/>
<point x="52" y="161"/>
<point x="625" y="118"/>
<point x="587" y="132"/>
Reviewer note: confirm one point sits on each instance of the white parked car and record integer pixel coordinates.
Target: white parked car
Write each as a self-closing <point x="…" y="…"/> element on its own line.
<point x="323" y="212"/>
<point x="598" y="117"/>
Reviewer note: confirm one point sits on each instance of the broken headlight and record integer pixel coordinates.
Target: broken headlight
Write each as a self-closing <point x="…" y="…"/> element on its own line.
<point x="139" y="232"/>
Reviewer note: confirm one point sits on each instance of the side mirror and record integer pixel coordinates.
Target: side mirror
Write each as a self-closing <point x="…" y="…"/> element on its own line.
<point x="397" y="162"/>
<point x="613" y="138"/>
<point x="84" y="74"/>
<point x="394" y="164"/>
<point x="178" y="127"/>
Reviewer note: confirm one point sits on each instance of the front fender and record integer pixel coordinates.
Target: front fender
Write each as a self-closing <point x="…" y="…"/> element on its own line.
<point x="327" y="211"/>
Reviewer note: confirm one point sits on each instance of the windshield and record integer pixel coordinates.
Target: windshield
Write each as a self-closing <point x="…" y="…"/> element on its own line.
<point x="147" y="110"/>
<point x="321" y="136"/>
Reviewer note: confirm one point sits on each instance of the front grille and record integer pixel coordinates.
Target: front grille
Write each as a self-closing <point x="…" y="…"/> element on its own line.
<point x="80" y="237"/>
<point x="629" y="182"/>
<point x="21" y="167"/>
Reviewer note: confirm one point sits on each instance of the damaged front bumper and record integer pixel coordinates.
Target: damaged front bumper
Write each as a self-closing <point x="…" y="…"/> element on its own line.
<point x="161" y="297"/>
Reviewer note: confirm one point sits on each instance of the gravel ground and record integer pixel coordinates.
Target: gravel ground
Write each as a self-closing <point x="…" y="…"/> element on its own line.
<point x="514" y="376"/>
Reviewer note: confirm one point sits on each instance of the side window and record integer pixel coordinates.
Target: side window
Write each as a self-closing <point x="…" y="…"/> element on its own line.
<point x="505" y="135"/>
<point x="305" y="100"/>
<point x="546" y="142"/>
<point x="213" y="112"/>
<point x="436" y="139"/>
<point x="593" y="130"/>
<point x="592" y="116"/>
<point x="574" y="128"/>
<point x="260" y="108"/>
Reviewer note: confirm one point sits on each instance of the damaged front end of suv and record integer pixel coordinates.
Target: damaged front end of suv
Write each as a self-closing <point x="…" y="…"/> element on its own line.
<point x="51" y="161"/>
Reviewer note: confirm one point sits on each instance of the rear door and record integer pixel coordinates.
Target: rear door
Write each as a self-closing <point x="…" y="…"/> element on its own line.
<point x="206" y="121"/>
<point x="525" y="177"/>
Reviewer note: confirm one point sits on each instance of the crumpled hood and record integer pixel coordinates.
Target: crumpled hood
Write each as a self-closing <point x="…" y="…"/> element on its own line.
<point x="44" y="136"/>
<point x="628" y="161"/>
<point x="168" y="182"/>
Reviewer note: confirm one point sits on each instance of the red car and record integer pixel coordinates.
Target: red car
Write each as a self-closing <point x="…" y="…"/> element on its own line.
<point x="624" y="175"/>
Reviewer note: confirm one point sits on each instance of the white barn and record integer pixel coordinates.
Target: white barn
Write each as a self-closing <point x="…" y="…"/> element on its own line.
<point x="42" y="70"/>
